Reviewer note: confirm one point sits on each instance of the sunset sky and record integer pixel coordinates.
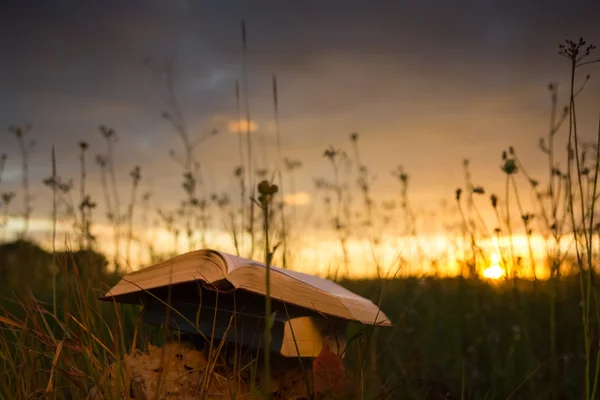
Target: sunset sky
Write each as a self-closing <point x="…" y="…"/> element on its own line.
<point x="426" y="84"/>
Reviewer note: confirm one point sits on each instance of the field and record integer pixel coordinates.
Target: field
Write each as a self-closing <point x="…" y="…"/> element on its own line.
<point x="533" y="332"/>
<point x="452" y="338"/>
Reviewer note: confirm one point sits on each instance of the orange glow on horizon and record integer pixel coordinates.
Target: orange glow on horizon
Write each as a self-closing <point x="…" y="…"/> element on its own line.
<point x="319" y="252"/>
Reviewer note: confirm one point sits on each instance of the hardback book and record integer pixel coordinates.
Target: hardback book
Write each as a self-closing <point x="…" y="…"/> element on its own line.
<point x="294" y="332"/>
<point x="222" y="271"/>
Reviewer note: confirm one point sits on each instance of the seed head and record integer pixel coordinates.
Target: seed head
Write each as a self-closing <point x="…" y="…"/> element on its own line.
<point x="494" y="200"/>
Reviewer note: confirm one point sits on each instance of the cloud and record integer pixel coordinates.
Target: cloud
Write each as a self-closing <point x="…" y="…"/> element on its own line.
<point x="298" y="199"/>
<point x="242" y="126"/>
<point x="431" y="80"/>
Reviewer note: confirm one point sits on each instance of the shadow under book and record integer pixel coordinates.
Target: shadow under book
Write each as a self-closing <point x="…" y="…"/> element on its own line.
<point x="294" y="333"/>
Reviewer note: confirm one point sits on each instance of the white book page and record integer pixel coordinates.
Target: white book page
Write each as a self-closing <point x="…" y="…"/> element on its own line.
<point x="234" y="262"/>
<point x="320" y="283"/>
<point x="325" y="285"/>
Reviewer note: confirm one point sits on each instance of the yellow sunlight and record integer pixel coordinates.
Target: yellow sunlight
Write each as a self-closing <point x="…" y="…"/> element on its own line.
<point x="494" y="271"/>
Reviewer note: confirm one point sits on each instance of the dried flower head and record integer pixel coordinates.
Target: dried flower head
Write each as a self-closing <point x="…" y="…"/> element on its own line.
<point x="238" y="172"/>
<point x="108" y="133"/>
<point x="136" y="174"/>
<point x="331" y="153"/>
<point x="510" y="166"/>
<point x="533" y="182"/>
<point x="7" y="197"/>
<point x="494" y="200"/>
<point x="291" y="165"/>
<point x="266" y="191"/>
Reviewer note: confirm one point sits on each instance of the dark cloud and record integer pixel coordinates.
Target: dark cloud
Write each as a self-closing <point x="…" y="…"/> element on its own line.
<point x="421" y="80"/>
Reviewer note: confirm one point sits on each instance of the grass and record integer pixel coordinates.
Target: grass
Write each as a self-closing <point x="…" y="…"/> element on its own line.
<point x="453" y="337"/>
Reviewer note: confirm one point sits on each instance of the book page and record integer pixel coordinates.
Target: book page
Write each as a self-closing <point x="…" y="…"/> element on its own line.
<point x="310" y="292"/>
<point x="188" y="267"/>
<point x="305" y="335"/>
<point x="362" y="308"/>
<point x="322" y="284"/>
<point x="234" y="262"/>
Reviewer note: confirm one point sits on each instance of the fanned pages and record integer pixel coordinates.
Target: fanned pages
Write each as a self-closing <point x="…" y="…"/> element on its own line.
<point x="214" y="267"/>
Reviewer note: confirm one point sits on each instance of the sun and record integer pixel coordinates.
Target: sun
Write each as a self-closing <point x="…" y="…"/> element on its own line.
<point x="494" y="271"/>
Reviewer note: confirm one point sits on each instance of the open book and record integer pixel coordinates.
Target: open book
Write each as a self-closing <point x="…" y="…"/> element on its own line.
<point x="217" y="268"/>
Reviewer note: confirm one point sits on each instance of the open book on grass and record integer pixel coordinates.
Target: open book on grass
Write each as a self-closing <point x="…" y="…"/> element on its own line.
<point x="214" y="267"/>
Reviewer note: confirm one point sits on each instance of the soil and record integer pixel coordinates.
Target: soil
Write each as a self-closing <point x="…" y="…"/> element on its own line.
<point x="180" y="370"/>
